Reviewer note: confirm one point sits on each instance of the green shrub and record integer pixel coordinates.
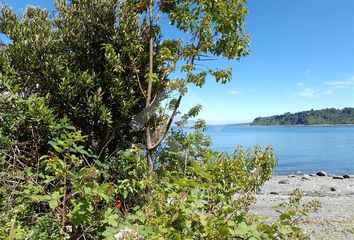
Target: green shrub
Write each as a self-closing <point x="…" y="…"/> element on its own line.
<point x="62" y="195"/>
<point x="207" y="201"/>
<point x="200" y="195"/>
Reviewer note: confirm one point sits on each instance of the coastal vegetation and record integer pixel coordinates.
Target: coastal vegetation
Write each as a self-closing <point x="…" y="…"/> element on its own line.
<point x="86" y="146"/>
<point x="312" y="117"/>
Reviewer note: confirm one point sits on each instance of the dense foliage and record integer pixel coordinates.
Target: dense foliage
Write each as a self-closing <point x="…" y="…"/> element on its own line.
<point x="69" y="62"/>
<point x="312" y="117"/>
<point x="86" y="149"/>
<point x="195" y="193"/>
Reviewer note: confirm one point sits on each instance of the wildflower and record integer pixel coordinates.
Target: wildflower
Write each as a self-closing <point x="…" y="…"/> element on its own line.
<point x="127" y="233"/>
<point x="118" y="204"/>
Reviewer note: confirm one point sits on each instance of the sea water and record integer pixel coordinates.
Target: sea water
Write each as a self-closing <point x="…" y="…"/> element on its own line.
<point x="298" y="148"/>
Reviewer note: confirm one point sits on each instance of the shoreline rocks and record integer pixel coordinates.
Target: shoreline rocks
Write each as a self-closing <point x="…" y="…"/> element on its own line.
<point x="318" y="174"/>
<point x="305" y="177"/>
<point x="313" y="184"/>
<point x="336" y="197"/>
<point x="284" y="181"/>
<point x="321" y="174"/>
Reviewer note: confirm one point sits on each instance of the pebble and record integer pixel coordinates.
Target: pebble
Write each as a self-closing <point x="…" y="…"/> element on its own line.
<point x="313" y="175"/>
<point x="346" y="176"/>
<point x="321" y="174"/>
<point x="305" y="177"/>
<point x="333" y="189"/>
<point x="284" y="181"/>
<point x="291" y="176"/>
<point x="274" y="193"/>
<point x="298" y="173"/>
<point x="338" y="177"/>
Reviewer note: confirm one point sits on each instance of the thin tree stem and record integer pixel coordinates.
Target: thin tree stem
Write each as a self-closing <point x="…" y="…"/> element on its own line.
<point x="63" y="210"/>
<point x="186" y="160"/>
<point x="149" y="90"/>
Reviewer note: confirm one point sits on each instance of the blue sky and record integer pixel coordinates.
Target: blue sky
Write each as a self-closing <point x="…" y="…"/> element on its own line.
<point x="302" y="57"/>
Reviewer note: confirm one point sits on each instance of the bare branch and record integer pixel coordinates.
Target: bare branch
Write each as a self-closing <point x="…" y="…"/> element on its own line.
<point x="168" y="126"/>
<point x="136" y="70"/>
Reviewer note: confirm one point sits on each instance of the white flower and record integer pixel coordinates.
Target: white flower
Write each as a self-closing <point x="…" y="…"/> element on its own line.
<point x="69" y="228"/>
<point x="170" y="200"/>
<point x="127" y="233"/>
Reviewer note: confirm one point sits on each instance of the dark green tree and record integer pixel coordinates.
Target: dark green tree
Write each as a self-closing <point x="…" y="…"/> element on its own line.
<point x="79" y="61"/>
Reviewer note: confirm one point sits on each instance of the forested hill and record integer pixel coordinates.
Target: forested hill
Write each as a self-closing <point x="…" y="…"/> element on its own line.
<point x="324" y="116"/>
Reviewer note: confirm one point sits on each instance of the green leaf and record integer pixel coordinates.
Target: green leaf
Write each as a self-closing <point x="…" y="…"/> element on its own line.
<point x="285" y="216"/>
<point x="285" y="230"/>
<point x="55" y="146"/>
<point x="109" y="233"/>
<point x="139" y="215"/>
<point x="111" y="218"/>
<point x="54" y="199"/>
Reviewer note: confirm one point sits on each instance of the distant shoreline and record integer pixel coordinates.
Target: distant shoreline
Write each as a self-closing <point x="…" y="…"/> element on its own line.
<point x="305" y="125"/>
<point x="330" y="116"/>
<point x="331" y="174"/>
<point x="297" y="125"/>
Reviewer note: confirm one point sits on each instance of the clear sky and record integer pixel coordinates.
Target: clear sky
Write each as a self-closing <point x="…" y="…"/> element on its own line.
<point x="302" y="57"/>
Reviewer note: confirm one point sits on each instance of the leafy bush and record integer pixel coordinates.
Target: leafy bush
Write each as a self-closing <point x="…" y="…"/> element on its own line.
<point x="209" y="200"/>
<point x="63" y="195"/>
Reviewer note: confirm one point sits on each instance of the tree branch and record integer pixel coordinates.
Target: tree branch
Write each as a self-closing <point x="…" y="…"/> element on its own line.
<point x="136" y="70"/>
<point x="169" y="123"/>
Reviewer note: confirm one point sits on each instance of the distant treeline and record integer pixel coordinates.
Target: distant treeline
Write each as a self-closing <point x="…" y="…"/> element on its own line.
<point x="312" y="117"/>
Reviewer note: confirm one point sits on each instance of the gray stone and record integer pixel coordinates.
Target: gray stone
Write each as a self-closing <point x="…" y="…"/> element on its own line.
<point x="346" y="176"/>
<point x="321" y="174"/>
<point x="284" y="181"/>
<point x="274" y="193"/>
<point x="333" y="189"/>
<point x="338" y="177"/>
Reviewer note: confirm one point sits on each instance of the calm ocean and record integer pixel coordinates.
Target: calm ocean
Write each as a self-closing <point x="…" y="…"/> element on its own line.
<point x="298" y="148"/>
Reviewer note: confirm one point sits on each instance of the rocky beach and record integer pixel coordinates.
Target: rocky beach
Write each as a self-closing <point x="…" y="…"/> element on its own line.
<point x="334" y="220"/>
